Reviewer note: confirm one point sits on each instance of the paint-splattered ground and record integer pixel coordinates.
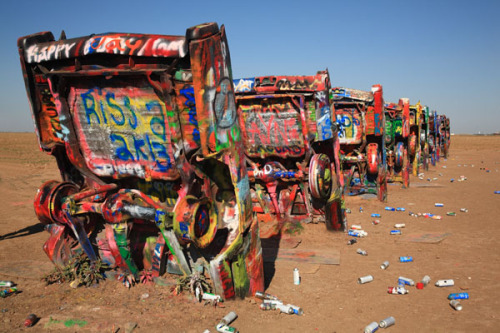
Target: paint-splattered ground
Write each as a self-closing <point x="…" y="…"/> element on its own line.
<point x="464" y="247"/>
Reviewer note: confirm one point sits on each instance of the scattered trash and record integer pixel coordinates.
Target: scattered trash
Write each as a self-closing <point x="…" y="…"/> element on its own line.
<point x="384" y="265"/>
<point x="497" y="192"/>
<point x="376" y="215"/>
<point x="376" y="222"/>
<point x="7" y="284"/>
<point x="406" y="259"/>
<point x="296" y="309"/>
<point x="356" y="227"/>
<point x="229" y="318"/>
<point x="352" y="241"/>
<point x="348" y="211"/>
<point x="400" y="209"/>
<point x="399" y="290"/>
<point x="452" y="180"/>
<point x="144" y="296"/>
<point x="362" y="252"/>
<point x="361" y="209"/>
<point x="262" y="295"/>
<point x="445" y="283"/>
<point x="451" y="213"/>
<point x="425" y="280"/>
<point x="365" y="279"/>
<point x="223" y="325"/>
<point x="9" y="291"/>
<point x="464" y="210"/>
<point x="267" y="306"/>
<point x="458" y="296"/>
<point x="455" y="304"/>
<point x="357" y="233"/>
<point x="406" y="281"/>
<point x="392" y="209"/>
<point x="419" y="285"/>
<point x="372" y="327"/>
<point x="211" y="298"/>
<point x="395" y="232"/>
<point x="296" y="276"/>
<point x="438" y="204"/>
<point x="31" y="320"/>
<point x="399" y="225"/>
<point x="389" y="321"/>
<point x="436" y="217"/>
<point x="225" y="329"/>
<point x="412" y="214"/>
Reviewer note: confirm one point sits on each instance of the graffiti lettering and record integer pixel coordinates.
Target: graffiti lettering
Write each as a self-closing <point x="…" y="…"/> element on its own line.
<point x="190" y="105"/>
<point x="51" y="52"/>
<point x="349" y="124"/>
<point x="288" y="84"/>
<point x="243" y="85"/>
<point x="121" y="126"/>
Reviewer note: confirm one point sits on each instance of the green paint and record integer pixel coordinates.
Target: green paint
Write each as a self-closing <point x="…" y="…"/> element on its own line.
<point x="240" y="276"/>
<point x="120" y="233"/>
<point x="68" y="323"/>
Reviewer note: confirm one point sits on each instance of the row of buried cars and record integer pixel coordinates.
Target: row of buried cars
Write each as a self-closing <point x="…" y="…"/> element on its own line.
<point x="167" y="163"/>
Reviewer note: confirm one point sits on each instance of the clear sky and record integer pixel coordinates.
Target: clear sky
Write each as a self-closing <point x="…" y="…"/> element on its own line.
<point x="444" y="53"/>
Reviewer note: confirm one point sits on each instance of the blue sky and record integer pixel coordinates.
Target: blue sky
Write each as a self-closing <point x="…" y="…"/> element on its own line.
<point x="445" y="54"/>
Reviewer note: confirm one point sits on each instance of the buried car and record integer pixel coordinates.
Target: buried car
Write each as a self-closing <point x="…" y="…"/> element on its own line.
<point x="292" y="150"/>
<point x="361" y="121"/>
<point x="145" y="134"/>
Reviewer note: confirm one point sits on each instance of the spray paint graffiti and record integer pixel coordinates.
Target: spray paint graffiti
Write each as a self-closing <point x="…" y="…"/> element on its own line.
<point x="350" y="127"/>
<point x="117" y="129"/>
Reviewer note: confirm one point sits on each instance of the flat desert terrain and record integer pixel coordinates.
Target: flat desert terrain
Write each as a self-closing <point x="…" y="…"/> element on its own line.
<point x="464" y="248"/>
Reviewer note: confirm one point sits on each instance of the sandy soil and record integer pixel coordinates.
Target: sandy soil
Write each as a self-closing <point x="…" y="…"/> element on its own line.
<point x="330" y="295"/>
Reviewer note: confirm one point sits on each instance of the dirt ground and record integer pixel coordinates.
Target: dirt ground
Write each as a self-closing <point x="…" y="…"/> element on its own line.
<point x="464" y="248"/>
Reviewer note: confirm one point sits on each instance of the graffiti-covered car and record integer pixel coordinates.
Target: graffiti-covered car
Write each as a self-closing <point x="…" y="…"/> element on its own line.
<point x="361" y="121"/>
<point x="434" y="137"/>
<point x="397" y="131"/>
<point x="145" y="134"/>
<point x="444" y="134"/>
<point x="292" y="150"/>
<point x="414" y="140"/>
<point x="424" y="137"/>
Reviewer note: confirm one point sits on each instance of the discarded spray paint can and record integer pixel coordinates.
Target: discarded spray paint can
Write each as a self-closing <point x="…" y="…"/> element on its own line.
<point x="272" y="301"/>
<point x="419" y="285"/>
<point x="296" y="276"/>
<point x="400" y="209"/>
<point x="497" y="192"/>
<point x="391" y="209"/>
<point x="225" y="329"/>
<point x="267" y="306"/>
<point x="389" y="321"/>
<point x="407" y="281"/>
<point x="399" y="290"/>
<point x="406" y="259"/>
<point x="464" y="210"/>
<point x="296" y="309"/>
<point x="425" y="280"/>
<point x="436" y="217"/>
<point x="30" y="320"/>
<point x="452" y="180"/>
<point x="7" y="292"/>
<point x="395" y="232"/>
<point x="376" y="215"/>
<point x="376" y="222"/>
<point x="7" y="284"/>
<point x="445" y="283"/>
<point x="459" y="296"/>
<point x="353" y="233"/>
<point x="365" y="279"/>
<point x="451" y="213"/>
<point x="384" y="265"/>
<point x="356" y="227"/>
<point x="438" y="204"/>
<point x="229" y="318"/>
<point x="372" y="327"/>
<point x="210" y="297"/>
<point x="352" y="241"/>
<point x="399" y="225"/>
<point x="262" y="295"/>
<point x="285" y="308"/>
<point x="362" y="252"/>
<point x="455" y="304"/>
<point x="361" y="209"/>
